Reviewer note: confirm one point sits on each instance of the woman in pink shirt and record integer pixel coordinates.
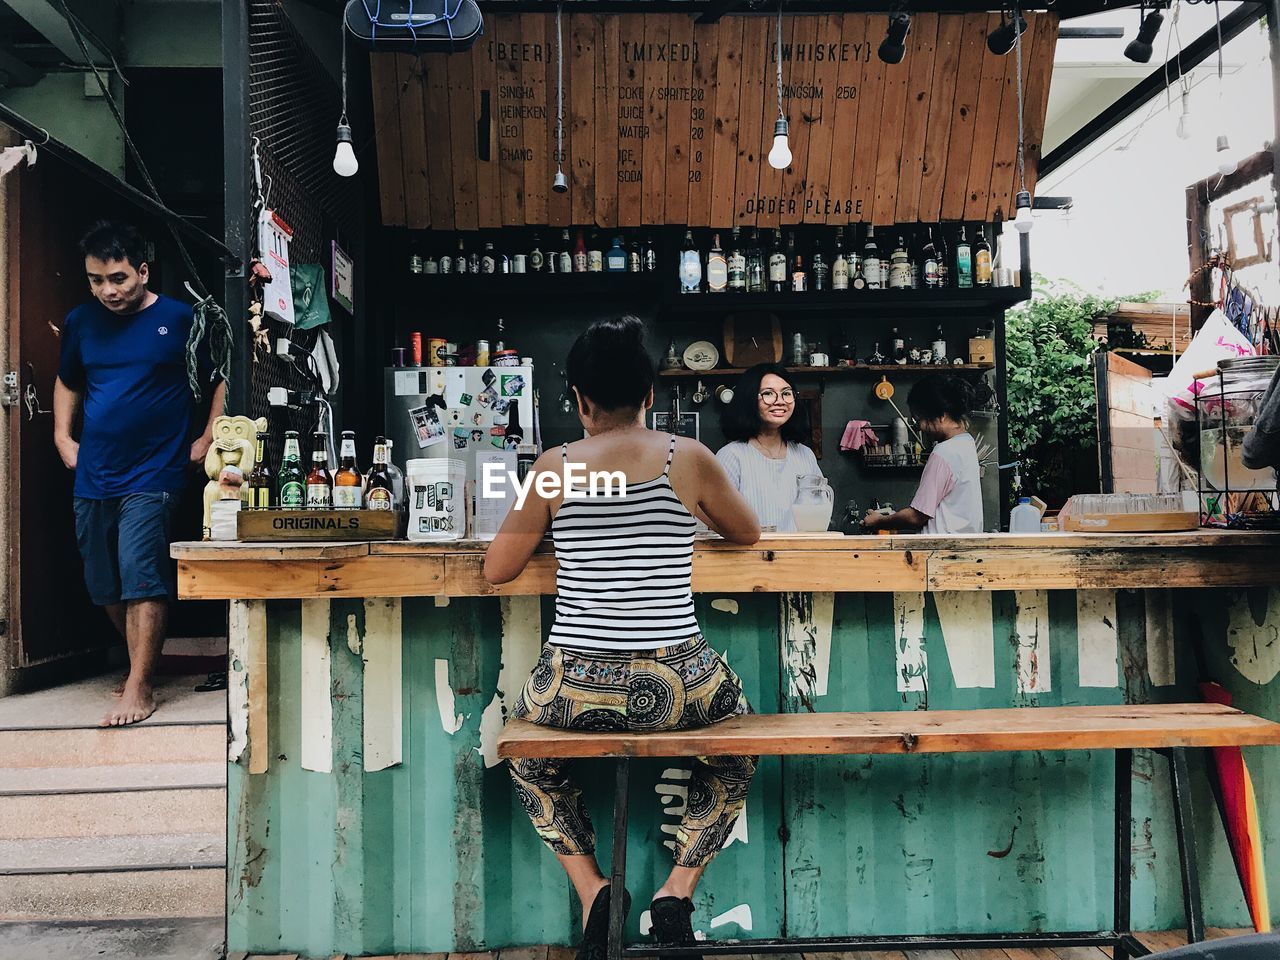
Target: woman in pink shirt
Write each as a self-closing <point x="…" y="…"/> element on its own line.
<point x="949" y="498"/>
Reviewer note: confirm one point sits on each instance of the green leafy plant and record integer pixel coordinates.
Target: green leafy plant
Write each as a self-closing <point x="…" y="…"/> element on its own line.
<point x="1052" y="405"/>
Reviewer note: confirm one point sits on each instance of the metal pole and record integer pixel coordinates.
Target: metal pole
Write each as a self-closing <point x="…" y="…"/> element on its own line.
<point x="237" y="229"/>
<point x="1273" y="33"/>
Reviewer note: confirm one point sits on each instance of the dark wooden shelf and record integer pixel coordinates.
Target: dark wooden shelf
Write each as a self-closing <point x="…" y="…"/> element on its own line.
<point x="921" y="368"/>
<point x="851" y="301"/>
<point x="561" y="286"/>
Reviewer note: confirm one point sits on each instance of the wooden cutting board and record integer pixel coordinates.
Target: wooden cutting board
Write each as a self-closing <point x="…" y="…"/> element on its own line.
<point x="751" y="338"/>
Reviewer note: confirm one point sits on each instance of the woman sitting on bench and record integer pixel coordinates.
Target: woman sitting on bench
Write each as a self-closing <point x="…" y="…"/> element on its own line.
<point x="625" y="652"/>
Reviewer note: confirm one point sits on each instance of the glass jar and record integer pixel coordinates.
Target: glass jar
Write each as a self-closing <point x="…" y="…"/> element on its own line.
<point x="1227" y="407"/>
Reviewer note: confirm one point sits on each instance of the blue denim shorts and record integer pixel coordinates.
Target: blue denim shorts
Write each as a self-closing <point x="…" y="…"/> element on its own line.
<point x="125" y="546"/>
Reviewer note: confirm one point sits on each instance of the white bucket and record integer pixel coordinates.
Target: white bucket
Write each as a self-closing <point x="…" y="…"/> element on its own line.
<point x="437" y="501"/>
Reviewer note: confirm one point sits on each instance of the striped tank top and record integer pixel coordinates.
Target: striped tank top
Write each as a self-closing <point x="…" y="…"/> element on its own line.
<point x="626" y="563"/>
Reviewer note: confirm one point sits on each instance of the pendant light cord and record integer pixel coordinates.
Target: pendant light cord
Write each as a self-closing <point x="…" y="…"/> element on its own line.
<point x="559" y="90"/>
<point x="1017" y="46"/>
<point x="343" y="120"/>
<point x="781" y="115"/>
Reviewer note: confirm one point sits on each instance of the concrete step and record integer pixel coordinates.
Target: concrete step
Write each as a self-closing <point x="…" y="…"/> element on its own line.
<point x="123" y="894"/>
<point x="149" y="742"/>
<point x="124" y="777"/>
<point x="177" y="851"/>
<point x="136" y="813"/>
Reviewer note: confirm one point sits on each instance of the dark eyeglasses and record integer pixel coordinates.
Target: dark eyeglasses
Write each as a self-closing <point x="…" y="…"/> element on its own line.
<point x="769" y="395"/>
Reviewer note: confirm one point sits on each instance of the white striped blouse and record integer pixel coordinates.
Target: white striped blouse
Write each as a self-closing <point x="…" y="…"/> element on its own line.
<point x="626" y="565"/>
<point x="768" y="485"/>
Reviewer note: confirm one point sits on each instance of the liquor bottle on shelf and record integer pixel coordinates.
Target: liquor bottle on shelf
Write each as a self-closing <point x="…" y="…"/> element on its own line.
<point x="840" y="264"/>
<point x="431" y="263"/>
<point x="537" y="263"/>
<point x="461" y="262"/>
<point x="914" y="249"/>
<point x="981" y="260"/>
<point x="260" y="489"/>
<point x="690" y="271"/>
<point x="799" y="278"/>
<point x="858" y="280"/>
<point x="877" y="359"/>
<point x="379" y="491"/>
<point x="292" y="483"/>
<point x="446" y="263"/>
<point x="871" y="260"/>
<point x="717" y="267"/>
<point x="489" y="262"/>
<point x="580" y="254"/>
<point x="615" y="261"/>
<point x="929" y="266"/>
<point x="397" y="476"/>
<point x="635" y="258"/>
<point x="939" y="346"/>
<point x="564" y="257"/>
<point x="319" y="483"/>
<point x="900" y="267"/>
<point x="945" y="278"/>
<point x="737" y="264"/>
<point x="964" y="262"/>
<point x="777" y="265"/>
<point x="415" y="260"/>
<point x="347" y="481"/>
<point x="897" y="347"/>
<point x="650" y="256"/>
<point x="474" y="262"/>
<point x="504" y="263"/>
<point x="820" y="270"/>
<point x="756" y="274"/>
<point x="595" y="254"/>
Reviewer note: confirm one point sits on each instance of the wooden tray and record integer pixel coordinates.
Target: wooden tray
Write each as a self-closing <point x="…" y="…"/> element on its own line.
<point x="1130" y="522"/>
<point x="280" y="525"/>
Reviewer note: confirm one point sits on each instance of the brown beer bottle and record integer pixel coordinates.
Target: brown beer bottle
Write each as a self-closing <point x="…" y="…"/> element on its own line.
<point x="379" y="493"/>
<point x="347" y="482"/>
<point x="319" y="483"/>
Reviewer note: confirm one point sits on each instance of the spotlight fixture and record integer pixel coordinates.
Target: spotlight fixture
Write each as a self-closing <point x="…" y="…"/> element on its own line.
<point x="345" y="163"/>
<point x="559" y="183"/>
<point x="1139" y="48"/>
<point x="1001" y="40"/>
<point x="893" y="48"/>
<point x="780" y="152"/>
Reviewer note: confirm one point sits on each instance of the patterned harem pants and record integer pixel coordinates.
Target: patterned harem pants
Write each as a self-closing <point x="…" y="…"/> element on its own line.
<point x="679" y="687"/>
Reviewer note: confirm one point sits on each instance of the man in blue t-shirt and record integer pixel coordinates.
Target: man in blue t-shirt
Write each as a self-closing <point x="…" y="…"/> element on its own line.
<point x="124" y="357"/>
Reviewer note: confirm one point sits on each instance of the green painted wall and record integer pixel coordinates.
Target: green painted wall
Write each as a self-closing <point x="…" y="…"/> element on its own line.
<point x="58" y="104"/>
<point x="435" y="855"/>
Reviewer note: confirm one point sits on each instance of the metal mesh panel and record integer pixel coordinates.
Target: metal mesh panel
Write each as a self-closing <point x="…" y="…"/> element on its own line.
<point x="294" y="105"/>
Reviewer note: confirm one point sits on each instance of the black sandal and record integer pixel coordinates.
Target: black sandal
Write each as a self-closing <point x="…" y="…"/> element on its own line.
<point x="595" y="936"/>
<point x="672" y="919"/>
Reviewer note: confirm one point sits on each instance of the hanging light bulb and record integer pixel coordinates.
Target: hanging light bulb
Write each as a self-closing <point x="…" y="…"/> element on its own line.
<point x="1023" y="221"/>
<point x="780" y="152"/>
<point x="345" y="163"/>
<point x="1227" y="164"/>
<point x="1184" y="121"/>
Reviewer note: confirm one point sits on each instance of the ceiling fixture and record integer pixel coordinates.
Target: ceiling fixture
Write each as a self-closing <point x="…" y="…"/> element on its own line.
<point x="780" y="152"/>
<point x="1001" y="40"/>
<point x="345" y="163"/>
<point x="1184" y="121"/>
<point x="559" y="183"/>
<point x="894" y="46"/>
<point x="1139" y="48"/>
<point x="1022" y="220"/>
<point x="1226" y="161"/>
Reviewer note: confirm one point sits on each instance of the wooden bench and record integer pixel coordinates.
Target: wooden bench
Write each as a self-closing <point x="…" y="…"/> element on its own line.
<point x="1166" y="728"/>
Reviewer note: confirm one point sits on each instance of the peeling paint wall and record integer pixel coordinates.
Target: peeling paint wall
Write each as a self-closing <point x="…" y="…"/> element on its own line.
<point x="435" y="854"/>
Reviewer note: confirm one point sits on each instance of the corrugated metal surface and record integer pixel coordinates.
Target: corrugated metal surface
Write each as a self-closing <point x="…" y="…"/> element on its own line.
<point x="434" y="854"/>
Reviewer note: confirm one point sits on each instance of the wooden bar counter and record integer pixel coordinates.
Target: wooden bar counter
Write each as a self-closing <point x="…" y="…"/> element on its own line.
<point x="369" y="812"/>
<point x="778" y="563"/>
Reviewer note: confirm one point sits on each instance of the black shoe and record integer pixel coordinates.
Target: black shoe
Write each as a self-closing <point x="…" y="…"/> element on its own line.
<point x="595" y="936"/>
<point x="672" y="919"/>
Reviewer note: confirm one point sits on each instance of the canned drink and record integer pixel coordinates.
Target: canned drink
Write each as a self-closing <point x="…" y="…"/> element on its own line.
<point x="519" y="263"/>
<point x="451" y="347"/>
<point x="415" y="348"/>
<point x="397" y="356"/>
<point x="482" y="353"/>
<point x="436" y="348"/>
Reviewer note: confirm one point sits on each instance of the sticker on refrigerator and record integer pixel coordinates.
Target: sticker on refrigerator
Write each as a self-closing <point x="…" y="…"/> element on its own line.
<point x="488" y="396"/>
<point x="408" y="383"/>
<point x="465" y="400"/>
<point x="512" y="385"/>
<point x="497" y="436"/>
<point x="488" y="377"/>
<point x="455" y="418"/>
<point x="426" y="425"/>
<point x="501" y="405"/>
<point x="461" y="436"/>
<point x="454" y="386"/>
<point x="477" y="436"/>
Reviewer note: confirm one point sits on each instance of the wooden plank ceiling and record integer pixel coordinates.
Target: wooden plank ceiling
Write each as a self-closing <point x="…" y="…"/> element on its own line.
<point x="668" y="121"/>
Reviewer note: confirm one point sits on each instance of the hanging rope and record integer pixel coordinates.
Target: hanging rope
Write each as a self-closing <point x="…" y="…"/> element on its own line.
<point x="559" y="90"/>
<point x="1017" y="46"/>
<point x="208" y="317"/>
<point x="781" y="115"/>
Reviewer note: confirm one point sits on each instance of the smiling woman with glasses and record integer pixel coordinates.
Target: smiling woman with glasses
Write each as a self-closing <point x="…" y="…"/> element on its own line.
<point x="766" y="450"/>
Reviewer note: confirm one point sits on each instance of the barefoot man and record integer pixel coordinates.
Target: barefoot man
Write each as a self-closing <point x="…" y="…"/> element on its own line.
<point x="124" y="357"/>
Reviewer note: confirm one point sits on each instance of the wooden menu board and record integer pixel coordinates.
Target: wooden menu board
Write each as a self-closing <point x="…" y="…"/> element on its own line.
<point x="668" y="121"/>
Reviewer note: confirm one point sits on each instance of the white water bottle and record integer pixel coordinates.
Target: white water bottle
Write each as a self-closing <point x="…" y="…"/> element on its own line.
<point x="1024" y="518"/>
